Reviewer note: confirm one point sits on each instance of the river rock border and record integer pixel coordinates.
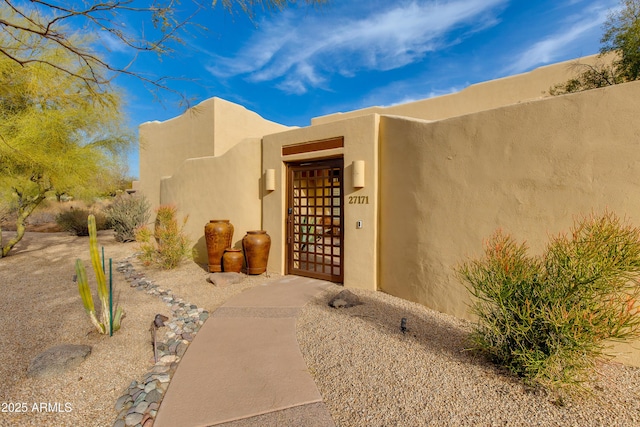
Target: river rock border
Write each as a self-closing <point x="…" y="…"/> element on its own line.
<point x="139" y="402"/>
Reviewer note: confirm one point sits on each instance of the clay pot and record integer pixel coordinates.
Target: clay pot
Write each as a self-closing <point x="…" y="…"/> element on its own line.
<point x="256" y="246"/>
<point x="218" y="234"/>
<point x="232" y="260"/>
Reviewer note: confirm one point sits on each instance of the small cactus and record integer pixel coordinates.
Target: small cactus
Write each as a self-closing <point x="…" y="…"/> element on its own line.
<point x="85" y="294"/>
<point x="103" y="325"/>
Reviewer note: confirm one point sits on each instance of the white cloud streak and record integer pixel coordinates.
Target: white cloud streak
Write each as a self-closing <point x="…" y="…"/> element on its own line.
<point x="551" y="48"/>
<point x="298" y="53"/>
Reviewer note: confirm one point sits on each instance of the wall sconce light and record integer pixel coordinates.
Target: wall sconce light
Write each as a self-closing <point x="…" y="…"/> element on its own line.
<point x="270" y="180"/>
<point x="358" y="173"/>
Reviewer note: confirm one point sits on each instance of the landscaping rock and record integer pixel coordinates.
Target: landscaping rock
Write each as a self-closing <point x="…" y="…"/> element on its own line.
<point x="133" y="419"/>
<point x="142" y="399"/>
<point x="345" y="299"/>
<point x="225" y="279"/>
<point x="58" y="359"/>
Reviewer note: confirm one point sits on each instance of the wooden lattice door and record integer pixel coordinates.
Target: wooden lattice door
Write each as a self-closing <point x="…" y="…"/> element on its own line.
<point x="315" y="220"/>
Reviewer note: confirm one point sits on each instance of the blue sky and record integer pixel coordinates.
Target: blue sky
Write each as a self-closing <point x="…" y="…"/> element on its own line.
<point x="306" y="62"/>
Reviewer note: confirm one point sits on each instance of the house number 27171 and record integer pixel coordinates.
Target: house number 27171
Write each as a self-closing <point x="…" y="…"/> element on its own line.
<point x="358" y="200"/>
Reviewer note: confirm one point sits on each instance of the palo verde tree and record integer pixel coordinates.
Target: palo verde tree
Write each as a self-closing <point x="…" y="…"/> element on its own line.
<point x="622" y="35"/>
<point x="155" y="26"/>
<point x="621" y="38"/>
<point x="58" y="133"/>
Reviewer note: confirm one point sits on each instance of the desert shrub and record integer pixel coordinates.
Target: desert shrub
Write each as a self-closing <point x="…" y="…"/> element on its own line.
<point x="588" y="77"/>
<point x="167" y="245"/>
<point x="126" y="214"/>
<point x="548" y="318"/>
<point x="75" y="221"/>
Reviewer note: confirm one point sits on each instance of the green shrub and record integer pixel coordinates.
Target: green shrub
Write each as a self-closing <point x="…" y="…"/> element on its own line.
<point x="75" y="221"/>
<point x="126" y="214"/>
<point x="169" y="245"/>
<point x="548" y="318"/>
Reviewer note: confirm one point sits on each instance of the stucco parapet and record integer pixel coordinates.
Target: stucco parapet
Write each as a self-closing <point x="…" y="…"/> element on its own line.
<point x="515" y="89"/>
<point x="321" y="131"/>
<point x="405" y="118"/>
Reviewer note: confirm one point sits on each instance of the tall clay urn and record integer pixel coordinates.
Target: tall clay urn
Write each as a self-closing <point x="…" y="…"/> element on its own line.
<point x="218" y="234"/>
<point x="232" y="260"/>
<point x="256" y="246"/>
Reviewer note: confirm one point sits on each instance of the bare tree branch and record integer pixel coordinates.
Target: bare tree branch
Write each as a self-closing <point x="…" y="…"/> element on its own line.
<point x="59" y="23"/>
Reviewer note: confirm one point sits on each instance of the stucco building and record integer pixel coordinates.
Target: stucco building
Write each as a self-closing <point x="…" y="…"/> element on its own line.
<point x="393" y="198"/>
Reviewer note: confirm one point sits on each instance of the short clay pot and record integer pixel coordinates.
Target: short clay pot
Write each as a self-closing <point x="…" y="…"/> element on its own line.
<point x="232" y="260"/>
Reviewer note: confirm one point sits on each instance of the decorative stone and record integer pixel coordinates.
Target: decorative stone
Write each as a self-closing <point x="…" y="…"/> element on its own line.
<point x="154" y="396"/>
<point x="122" y="414"/>
<point x="142" y="407"/>
<point x="140" y="398"/>
<point x="133" y="419"/>
<point x="160" y="369"/>
<point x="225" y="279"/>
<point x="146" y="418"/>
<point x="58" y="359"/>
<point x="150" y="386"/>
<point x="167" y="359"/>
<point x="124" y="402"/>
<point x="345" y="299"/>
<point x="182" y="348"/>
<point x="164" y="378"/>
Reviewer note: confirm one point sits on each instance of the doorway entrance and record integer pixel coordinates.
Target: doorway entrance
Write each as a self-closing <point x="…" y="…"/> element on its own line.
<point x="315" y="220"/>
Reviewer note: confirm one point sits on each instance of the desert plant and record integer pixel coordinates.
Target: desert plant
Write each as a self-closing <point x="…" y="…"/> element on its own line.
<point x="588" y="77"/>
<point x="102" y="324"/>
<point x="622" y="38"/>
<point x="549" y="318"/>
<point x="126" y="214"/>
<point x="75" y="221"/>
<point x="168" y="245"/>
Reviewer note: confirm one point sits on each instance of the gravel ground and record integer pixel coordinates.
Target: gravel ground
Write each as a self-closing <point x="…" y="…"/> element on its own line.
<point x="368" y="371"/>
<point x="40" y="307"/>
<point x="371" y="374"/>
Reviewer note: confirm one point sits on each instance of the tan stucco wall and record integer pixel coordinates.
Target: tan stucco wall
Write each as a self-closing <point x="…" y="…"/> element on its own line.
<point x="527" y="168"/>
<point x="360" y="143"/>
<point x="209" y="129"/>
<point x="221" y="187"/>
<point x="478" y="97"/>
<point x="487" y="158"/>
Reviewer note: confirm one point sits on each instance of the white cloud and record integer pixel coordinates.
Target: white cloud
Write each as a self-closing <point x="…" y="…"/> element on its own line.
<point x="302" y="52"/>
<point x="112" y="44"/>
<point x="554" y="46"/>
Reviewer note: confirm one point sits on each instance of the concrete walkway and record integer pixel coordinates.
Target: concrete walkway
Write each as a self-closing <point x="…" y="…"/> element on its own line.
<point x="244" y="368"/>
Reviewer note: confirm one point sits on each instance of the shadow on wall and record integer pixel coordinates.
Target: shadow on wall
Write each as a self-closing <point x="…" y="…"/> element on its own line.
<point x="200" y="248"/>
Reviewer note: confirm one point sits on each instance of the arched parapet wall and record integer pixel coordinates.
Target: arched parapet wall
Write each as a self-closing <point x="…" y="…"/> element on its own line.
<point x="528" y="168"/>
<point x="220" y="187"/>
<point x="209" y="129"/>
<point x="496" y="93"/>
